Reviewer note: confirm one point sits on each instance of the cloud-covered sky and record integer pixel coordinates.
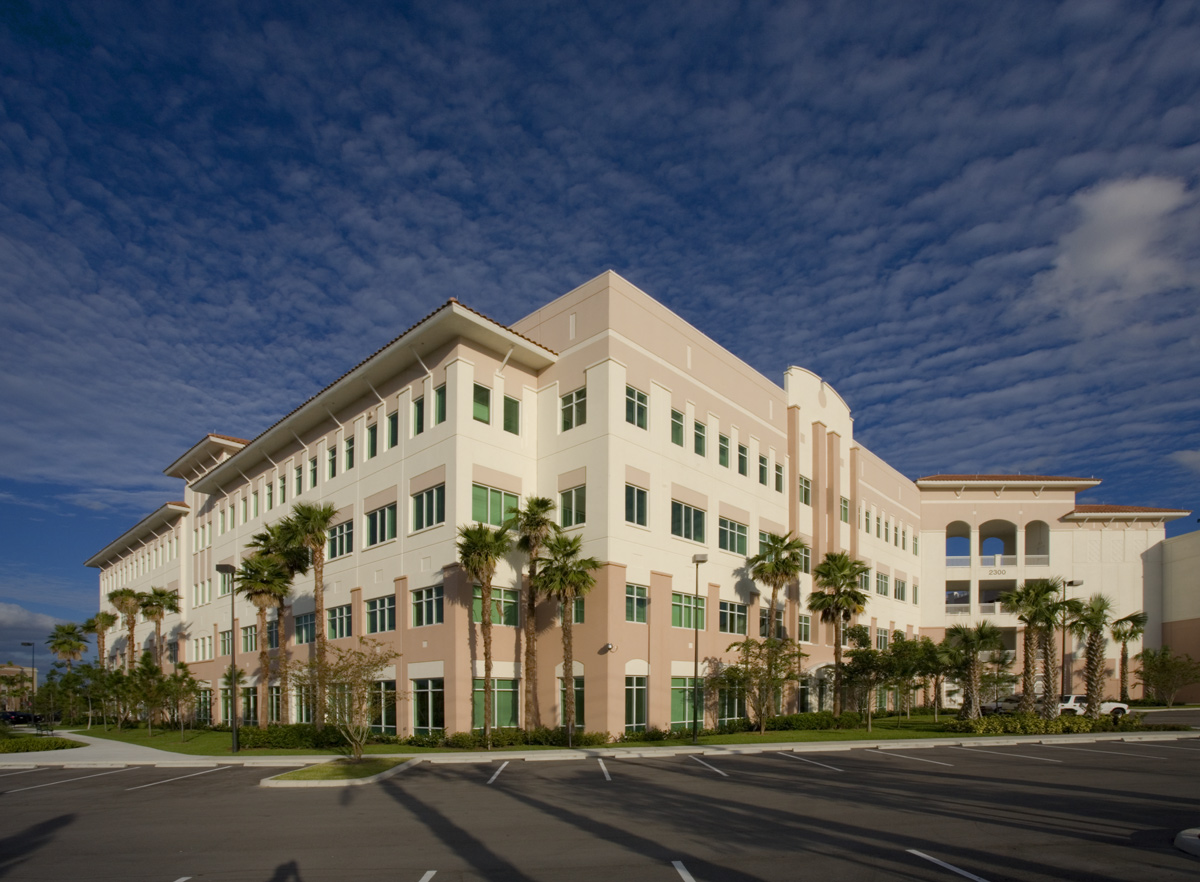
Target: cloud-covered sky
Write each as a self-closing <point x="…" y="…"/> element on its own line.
<point x="979" y="222"/>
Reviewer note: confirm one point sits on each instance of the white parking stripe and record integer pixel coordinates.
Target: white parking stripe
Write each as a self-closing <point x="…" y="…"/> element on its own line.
<point x="682" y="871"/>
<point x="428" y="876"/>
<point x="498" y="771"/>
<point x="183" y="879"/>
<point x="68" y="780"/>
<point x="814" y="762"/>
<point x="906" y="756"/>
<point x="1089" y="750"/>
<point x="604" y="769"/>
<point x="707" y="766"/>
<point x="180" y="778"/>
<point x="1044" y="759"/>
<point x="22" y="772"/>
<point x="1165" y="746"/>
<point x="947" y="866"/>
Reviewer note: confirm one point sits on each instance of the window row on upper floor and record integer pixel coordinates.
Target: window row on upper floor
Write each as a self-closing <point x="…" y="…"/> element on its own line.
<point x="898" y="534"/>
<point x="150" y="557"/>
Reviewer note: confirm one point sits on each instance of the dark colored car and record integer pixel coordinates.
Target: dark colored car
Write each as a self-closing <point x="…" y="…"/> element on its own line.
<point x="16" y="718"/>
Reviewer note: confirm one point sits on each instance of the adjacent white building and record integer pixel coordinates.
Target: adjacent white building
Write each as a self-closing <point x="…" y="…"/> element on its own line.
<point x="659" y="445"/>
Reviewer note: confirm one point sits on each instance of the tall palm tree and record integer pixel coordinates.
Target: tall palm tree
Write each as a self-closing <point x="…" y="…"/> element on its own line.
<point x="155" y="606"/>
<point x="128" y="603"/>
<point x="309" y="525"/>
<point x="1125" y="630"/>
<point x="532" y="526"/>
<point x="837" y="597"/>
<point x="1031" y="602"/>
<point x="479" y="551"/>
<point x="279" y="541"/>
<point x="1090" y="623"/>
<point x="779" y="562"/>
<point x="1060" y="611"/>
<point x="972" y="642"/>
<point x="565" y="577"/>
<point x="68" y="642"/>
<point x="266" y="582"/>
<point x="99" y="624"/>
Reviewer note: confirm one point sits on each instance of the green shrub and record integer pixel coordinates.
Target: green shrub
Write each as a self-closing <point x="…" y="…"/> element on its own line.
<point x="30" y="743"/>
<point x="850" y="720"/>
<point x="464" y="741"/>
<point x="795" y="722"/>
<point x="1032" y="724"/>
<point x="297" y="736"/>
<point x="433" y="739"/>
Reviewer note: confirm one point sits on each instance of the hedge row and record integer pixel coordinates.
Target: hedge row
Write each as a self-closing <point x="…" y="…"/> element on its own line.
<point x="31" y="743"/>
<point x="1032" y="724"/>
<point x="542" y="736"/>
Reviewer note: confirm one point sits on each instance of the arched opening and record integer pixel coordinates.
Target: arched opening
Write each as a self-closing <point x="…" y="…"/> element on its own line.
<point x="998" y="543"/>
<point x="958" y="544"/>
<point x="1037" y="544"/>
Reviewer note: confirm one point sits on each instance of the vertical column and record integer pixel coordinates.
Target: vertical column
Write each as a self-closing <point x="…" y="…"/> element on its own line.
<point x="833" y="467"/>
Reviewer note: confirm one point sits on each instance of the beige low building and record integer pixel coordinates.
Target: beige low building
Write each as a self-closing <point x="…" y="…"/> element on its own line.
<point x="659" y="446"/>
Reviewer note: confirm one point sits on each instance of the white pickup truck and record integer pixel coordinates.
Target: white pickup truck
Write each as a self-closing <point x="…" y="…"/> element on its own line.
<point x="1076" y="705"/>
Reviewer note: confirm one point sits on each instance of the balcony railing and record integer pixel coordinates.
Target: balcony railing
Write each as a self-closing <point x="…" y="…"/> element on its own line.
<point x="998" y="560"/>
<point x="989" y="609"/>
<point x="1037" y="560"/>
<point x="959" y="561"/>
<point x="958" y="609"/>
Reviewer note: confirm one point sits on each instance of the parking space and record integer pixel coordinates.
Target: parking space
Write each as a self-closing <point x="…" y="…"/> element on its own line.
<point x="1104" y="811"/>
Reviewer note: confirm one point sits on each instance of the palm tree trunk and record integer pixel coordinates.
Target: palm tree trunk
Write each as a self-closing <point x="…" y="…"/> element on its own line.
<point x="1028" y="670"/>
<point x="264" y="669"/>
<point x="568" y="638"/>
<point x="281" y="655"/>
<point x="485" y="596"/>
<point x="1125" y="671"/>
<point x="318" y="556"/>
<point x="131" y="624"/>
<point x="533" y="714"/>
<point x="1094" y="655"/>
<point x="837" y="667"/>
<point x="100" y="649"/>
<point x="158" y="654"/>
<point x="1049" y="675"/>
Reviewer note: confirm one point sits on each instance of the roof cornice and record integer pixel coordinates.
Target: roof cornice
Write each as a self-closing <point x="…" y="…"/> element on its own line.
<point x="164" y="515"/>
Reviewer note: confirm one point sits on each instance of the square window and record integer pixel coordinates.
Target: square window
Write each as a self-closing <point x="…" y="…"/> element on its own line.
<point x="733" y="618"/>
<point x="339" y="622"/>
<point x="505" y="610"/>
<point x="482" y="404"/>
<point x="677" y="428"/>
<point x="512" y="415"/>
<point x="381" y="615"/>
<point x="381" y="525"/>
<point x="429" y="507"/>
<point x="687" y="522"/>
<point x="492" y="506"/>
<point x="341" y="540"/>
<point x="574" y="409"/>
<point x="636" y="407"/>
<point x="427" y="604"/>
<point x="635" y="505"/>
<point x="505" y="704"/>
<point x="764" y="615"/>
<point x="573" y="506"/>
<point x="731" y="536"/>
<point x="687" y="611"/>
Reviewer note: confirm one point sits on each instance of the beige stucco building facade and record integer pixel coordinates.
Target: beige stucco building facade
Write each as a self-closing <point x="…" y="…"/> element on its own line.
<point x="658" y="445"/>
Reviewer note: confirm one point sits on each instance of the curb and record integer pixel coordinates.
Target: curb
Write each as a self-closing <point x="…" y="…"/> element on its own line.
<point x="345" y="782"/>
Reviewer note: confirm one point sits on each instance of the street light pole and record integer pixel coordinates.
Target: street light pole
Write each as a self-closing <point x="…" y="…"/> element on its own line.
<point x="697" y="559"/>
<point x="1074" y="583"/>
<point x="32" y="675"/>
<point x="228" y="570"/>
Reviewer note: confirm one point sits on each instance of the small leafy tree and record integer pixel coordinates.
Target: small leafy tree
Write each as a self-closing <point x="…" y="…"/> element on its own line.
<point x="760" y="674"/>
<point x="181" y="693"/>
<point x="352" y="675"/>
<point x="151" y="687"/>
<point x="867" y="670"/>
<point x="1163" y="673"/>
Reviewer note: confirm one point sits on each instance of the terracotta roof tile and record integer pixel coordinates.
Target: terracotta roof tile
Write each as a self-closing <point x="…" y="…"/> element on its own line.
<point x="1124" y="509"/>
<point x="1003" y="478"/>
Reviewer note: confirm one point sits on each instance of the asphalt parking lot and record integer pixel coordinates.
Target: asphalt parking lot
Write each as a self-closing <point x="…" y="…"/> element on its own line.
<point x="1096" y="811"/>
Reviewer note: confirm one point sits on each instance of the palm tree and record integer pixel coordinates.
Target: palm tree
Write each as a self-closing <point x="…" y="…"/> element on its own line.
<point x="565" y="577"/>
<point x="479" y="551"/>
<point x="838" y="600"/>
<point x="128" y="602"/>
<point x="1031" y="603"/>
<point x="1060" y="612"/>
<point x="99" y="625"/>
<point x="532" y="526"/>
<point x="1090" y="623"/>
<point x="155" y="606"/>
<point x="68" y="642"/>
<point x="309" y="525"/>
<point x="278" y="540"/>
<point x="971" y="642"/>
<point x="266" y="582"/>
<point x="779" y="562"/>
<point x="1125" y="630"/>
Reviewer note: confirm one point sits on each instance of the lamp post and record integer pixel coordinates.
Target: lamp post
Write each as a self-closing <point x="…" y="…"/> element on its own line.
<point x="697" y="559"/>
<point x="228" y="570"/>
<point x="32" y="674"/>
<point x="1074" y="583"/>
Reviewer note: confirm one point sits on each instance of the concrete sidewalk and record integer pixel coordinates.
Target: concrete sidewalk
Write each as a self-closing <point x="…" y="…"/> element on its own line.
<point x="101" y="752"/>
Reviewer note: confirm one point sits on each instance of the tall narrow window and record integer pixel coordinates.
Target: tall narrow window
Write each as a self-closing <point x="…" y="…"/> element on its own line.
<point x="349" y="453"/>
<point x="341" y="539"/>
<point x="381" y="525"/>
<point x="429" y="706"/>
<point x="574" y="409"/>
<point x="743" y="460"/>
<point x="845" y="510"/>
<point x="339" y="622"/>
<point x="763" y="469"/>
<point x="419" y="416"/>
<point x="635" y="704"/>
<point x="723" y="451"/>
<point x="331" y="456"/>
<point x="677" y="428"/>
<point x="778" y="477"/>
<point x="700" y="439"/>
<point x="439" y="405"/>
<point x="393" y="430"/>
<point x="636" y="407"/>
<point x="573" y="506"/>
<point x="270" y="495"/>
<point x="482" y="404"/>
<point x="312" y="473"/>
<point x="429" y="507"/>
<point x="299" y="480"/>
<point x="636" y="601"/>
<point x="372" y="441"/>
<point x="635" y="505"/>
<point x="512" y="415"/>
<point x="805" y="490"/>
<point x="282" y="490"/>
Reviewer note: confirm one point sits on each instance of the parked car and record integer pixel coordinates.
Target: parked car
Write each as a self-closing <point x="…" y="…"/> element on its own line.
<point x="1076" y="705"/>
<point x="1006" y="705"/>
<point x="16" y="718"/>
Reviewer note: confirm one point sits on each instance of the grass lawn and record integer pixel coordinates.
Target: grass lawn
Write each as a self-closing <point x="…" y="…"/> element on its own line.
<point x="341" y="770"/>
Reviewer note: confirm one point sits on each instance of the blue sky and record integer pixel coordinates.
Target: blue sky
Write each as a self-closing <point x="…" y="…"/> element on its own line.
<point x="979" y="222"/>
